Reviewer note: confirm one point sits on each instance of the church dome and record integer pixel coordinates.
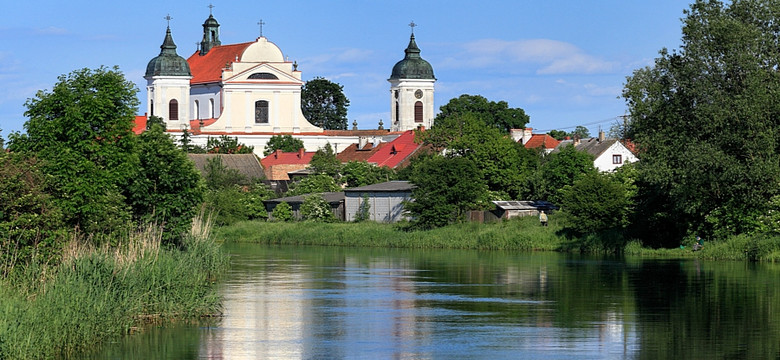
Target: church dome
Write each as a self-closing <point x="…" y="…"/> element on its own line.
<point x="168" y="63"/>
<point x="262" y="50"/>
<point x="412" y="66"/>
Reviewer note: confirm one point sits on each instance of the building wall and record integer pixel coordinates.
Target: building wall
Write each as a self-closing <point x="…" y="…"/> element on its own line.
<point x="406" y="88"/>
<point x="160" y="90"/>
<point x="279" y="172"/>
<point x="604" y="161"/>
<point x="205" y="94"/>
<point x="384" y="206"/>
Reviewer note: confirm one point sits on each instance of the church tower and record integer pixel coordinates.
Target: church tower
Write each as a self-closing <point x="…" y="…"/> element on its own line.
<point x="411" y="90"/>
<point x="168" y="85"/>
<point x="210" y="34"/>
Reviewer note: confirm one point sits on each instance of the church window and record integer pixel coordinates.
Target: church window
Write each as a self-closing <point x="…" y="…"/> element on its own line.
<point x="263" y="76"/>
<point x="418" y="112"/>
<point x="397" y="112"/>
<point x="197" y="110"/>
<point x="261" y="112"/>
<point x="173" y="110"/>
<point x="211" y="108"/>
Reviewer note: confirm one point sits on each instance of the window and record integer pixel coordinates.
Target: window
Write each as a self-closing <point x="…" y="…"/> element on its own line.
<point x="418" y="112"/>
<point x="173" y="110"/>
<point x="197" y="110"/>
<point x="261" y="112"/>
<point x="617" y="159"/>
<point x="263" y="76"/>
<point x="397" y="112"/>
<point x="211" y="108"/>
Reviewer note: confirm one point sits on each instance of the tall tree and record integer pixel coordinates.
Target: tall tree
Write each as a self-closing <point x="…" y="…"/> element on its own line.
<point x="324" y="161"/>
<point x="286" y="143"/>
<point x="227" y="145"/>
<point x="324" y="104"/>
<point x="493" y="114"/>
<point x="706" y="121"/>
<point x="82" y="130"/>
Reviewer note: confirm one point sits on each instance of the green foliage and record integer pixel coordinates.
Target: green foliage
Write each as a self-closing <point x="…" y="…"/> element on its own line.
<point x="29" y="219"/>
<point x="219" y="176"/>
<point x="154" y="120"/>
<point x="282" y="212"/>
<point x="706" y="119"/>
<point x="493" y="114"/>
<point x="594" y="203"/>
<point x="445" y="190"/>
<point x="315" y="208"/>
<point x="186" y="141"/>
<point x="286" y="143"/>
<point x="253" y="201"/>
<point x="324" y="104"/>
<point x="168" y="188"/>
<point x="227" y="204"/>
<point x="361" y="173"/>
<point x="364" y="209"/>
<point x="227" y="145"/>
<point x="771" y="220"/>
<point x="318" y="183"/>
<point x="579" y="132"/>
<point x="82" y="130"/>
<point x="561" y="169"/>
<point x="324" y="161"/>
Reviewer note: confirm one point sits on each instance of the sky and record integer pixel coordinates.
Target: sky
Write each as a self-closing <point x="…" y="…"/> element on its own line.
<point x="564" y="62"/>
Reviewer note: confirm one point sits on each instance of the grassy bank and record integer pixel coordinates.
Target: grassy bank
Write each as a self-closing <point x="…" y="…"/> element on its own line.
<point x="96" y="295"/>
<point x="523" y="234"/>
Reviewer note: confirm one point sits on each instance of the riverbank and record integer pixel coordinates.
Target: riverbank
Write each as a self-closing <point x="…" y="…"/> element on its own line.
<point x="524" y="234"/>
<point x="98" y="295"/>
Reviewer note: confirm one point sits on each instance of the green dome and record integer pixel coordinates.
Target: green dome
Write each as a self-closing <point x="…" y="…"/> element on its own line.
<point x="412" y="66"/>
<point x="168" y="63"/>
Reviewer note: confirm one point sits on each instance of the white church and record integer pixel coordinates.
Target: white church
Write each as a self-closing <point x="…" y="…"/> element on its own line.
<point x="252" y="92"/>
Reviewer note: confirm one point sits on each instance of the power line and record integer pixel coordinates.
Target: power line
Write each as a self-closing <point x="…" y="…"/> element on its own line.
<point x="586" y="124"/>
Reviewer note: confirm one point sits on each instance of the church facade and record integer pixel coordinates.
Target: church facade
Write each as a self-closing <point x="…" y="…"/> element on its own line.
<point x="251" y="91"/>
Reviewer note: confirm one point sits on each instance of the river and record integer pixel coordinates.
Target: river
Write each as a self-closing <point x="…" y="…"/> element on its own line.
<point x="347" y="303"/>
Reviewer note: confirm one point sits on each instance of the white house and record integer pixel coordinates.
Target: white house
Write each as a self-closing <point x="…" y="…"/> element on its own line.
<point x="609" y="154"/>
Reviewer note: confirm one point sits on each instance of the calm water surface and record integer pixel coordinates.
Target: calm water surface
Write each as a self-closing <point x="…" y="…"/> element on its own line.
<point x="343" y="303"/>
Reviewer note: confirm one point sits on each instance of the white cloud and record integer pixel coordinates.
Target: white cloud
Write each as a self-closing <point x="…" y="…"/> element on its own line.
<point x="51" y="30"/>
<point x="550" y="56"/>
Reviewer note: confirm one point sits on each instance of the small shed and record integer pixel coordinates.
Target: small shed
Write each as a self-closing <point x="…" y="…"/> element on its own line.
<point x="335" y="199"/>
<point x="385" y="201"/>
<point x="511" y="209"/>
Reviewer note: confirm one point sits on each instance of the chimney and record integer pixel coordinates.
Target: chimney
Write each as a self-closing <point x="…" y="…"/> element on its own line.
<point x="517" y="135"/>
<point x="276" y="153"/>
<point x="601" y="136"/>
<point x="576" y="140"/>
<point x="300" y="153"/>
<point x="362" y="141"/>
<point x="527" y="134"/>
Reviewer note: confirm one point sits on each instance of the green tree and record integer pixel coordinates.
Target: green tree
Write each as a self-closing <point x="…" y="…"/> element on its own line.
<point x="364" y="209"/>
<point x="558" y="134"/>
<point x="561" y="169"/>
<point x="317" y="183"/>
<point x="219" y="176"/>
<point x="445" y="190"/>
<point x="154" y="120"/>
<point x="594" y="203"/>
<point x="494" y="114"/>
<point x="324" y="161"/>
<point x="315" y="208"/>
<point x="82" y="130"/>
<point x="706" y="119"/>
<point x="286" y="143"/>
<point x="361" y="173"/>
<point x="253" y="201"/>
<point x="167" y="189"/>
<point x="227" y="145"/>
<point x="324" y="104"/>
<point x="579" y="131"/>
<point x="282" y="212"/>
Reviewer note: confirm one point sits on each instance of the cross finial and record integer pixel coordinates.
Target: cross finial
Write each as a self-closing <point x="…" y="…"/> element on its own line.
<point x="169" y="18"/>
<point x="412" y="25"/>
<point x="211" y="7"/>
<point x="261" y="23"/>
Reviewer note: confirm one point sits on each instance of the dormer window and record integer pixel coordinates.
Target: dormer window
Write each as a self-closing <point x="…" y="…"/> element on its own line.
<point x="263" y="76"/>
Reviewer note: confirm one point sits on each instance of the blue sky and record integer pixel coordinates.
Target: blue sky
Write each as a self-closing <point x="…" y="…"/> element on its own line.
<point x="563" y="61"/>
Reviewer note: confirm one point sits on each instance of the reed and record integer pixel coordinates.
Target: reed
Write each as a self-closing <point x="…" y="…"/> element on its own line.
<point x="100" y="293"/>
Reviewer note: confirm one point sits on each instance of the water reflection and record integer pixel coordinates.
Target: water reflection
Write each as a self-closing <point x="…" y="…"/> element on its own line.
<point x="313" y="303"/>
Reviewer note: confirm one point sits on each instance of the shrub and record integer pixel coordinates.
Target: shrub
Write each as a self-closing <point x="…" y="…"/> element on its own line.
<point x="315" y="208"/>
<point x="282" y="212"/>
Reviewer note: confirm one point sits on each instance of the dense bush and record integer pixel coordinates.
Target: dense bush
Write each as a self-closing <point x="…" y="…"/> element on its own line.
<point x="315" y="208"/>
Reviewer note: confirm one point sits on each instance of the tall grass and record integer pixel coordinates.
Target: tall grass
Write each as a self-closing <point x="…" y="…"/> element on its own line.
<point x="97" y="294"/>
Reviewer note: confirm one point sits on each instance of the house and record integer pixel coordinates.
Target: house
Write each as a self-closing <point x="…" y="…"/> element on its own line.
<point x="335" y="199"/>
<point x="609" y="154"/>
<point x="246" y="164"/>
<point x="529" y="140"/>
<point x="512" y="209"/>
<point x="398" y="153"/>
<point x="385" y="201"/>
<point x="278" y="164"/>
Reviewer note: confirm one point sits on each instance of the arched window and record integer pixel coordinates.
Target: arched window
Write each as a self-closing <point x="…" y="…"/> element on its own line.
<point x="261" y="112"/>
<point x="173" y="110"/>
<point x="263" y="76"/>
<point x="418" y="112"/>
<point x="197" y="110"/>
<point x="397" y="112"/>
<point x="211" y="108"/>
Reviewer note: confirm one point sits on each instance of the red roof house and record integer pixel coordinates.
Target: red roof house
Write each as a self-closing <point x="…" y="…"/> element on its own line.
<point x="393" y="153"/>
<point x="546" y="142"/>
<point x="278" y="164"/>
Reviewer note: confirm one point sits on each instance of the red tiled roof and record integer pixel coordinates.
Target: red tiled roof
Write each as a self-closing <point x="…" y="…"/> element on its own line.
<point x="139" y="124"/>
<point x="352" y="153"/>
<point x="394" y="152"/>
<point x="278" y="157"/>
<point x="208" y="68"/>
<point x="541" y="140"/>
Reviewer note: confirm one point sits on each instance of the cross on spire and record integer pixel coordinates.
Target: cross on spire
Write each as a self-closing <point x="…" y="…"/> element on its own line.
<point x="169" y="18"/>
<point x="261" y="23"/>
<point x="412" y="25"/>
<point x="211" y="7"/>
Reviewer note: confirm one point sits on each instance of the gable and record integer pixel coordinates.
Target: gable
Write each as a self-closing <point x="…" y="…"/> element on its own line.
<point x="262" y="74"/>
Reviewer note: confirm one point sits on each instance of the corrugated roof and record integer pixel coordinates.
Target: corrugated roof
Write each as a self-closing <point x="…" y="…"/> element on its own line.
<point x="525" y="205"/>
<point x="246" y="164"/>
<point x="330" y="197"/>
<point x="389" y="186"/>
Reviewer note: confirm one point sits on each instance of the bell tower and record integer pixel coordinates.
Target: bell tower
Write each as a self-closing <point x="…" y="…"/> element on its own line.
<point x="168" y="84"/>
<point x="411" y="90"/>
<point x="210" y="33"/>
